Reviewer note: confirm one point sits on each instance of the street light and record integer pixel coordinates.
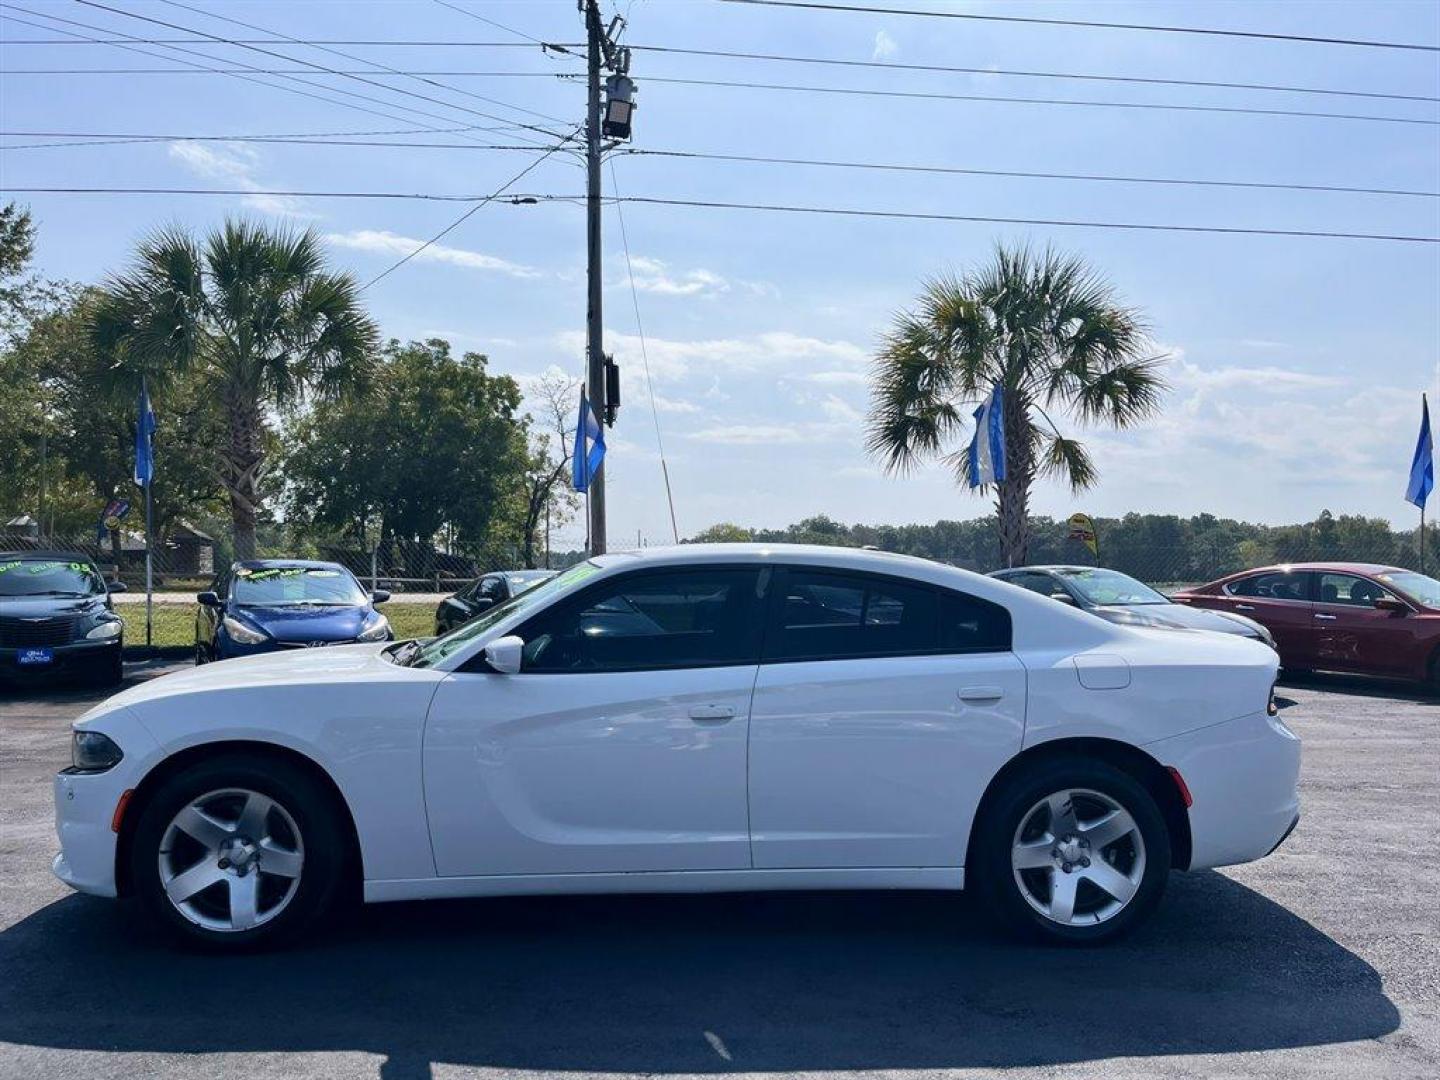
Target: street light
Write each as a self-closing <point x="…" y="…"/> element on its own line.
<point x="619" y="106"/>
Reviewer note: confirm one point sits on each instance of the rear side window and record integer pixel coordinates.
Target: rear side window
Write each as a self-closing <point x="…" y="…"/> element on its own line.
<point x="683" y="618"/>
<point x="1273" y="585"/>
<point x="825" y="615"/>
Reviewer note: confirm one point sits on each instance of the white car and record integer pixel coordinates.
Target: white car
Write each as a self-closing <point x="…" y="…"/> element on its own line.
<point x="727" y="717"/>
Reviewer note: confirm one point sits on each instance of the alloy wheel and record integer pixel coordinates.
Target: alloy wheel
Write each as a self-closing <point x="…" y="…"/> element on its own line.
<point x="1078" y="857"/>
<point x="231" y="860"/>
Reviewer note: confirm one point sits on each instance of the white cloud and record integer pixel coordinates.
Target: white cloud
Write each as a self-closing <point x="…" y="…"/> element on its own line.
<point x="1184" y="375"/>
<point x="886" y="47"/>
<point x="235" y="164"/>
<point x="675" y="405"/>
<point x="655" y="276"/>
<point x="837" y="378"/>
<point x="381" y="242"/>
<point x="751" y="435"/>
<point x="672" y="360"/>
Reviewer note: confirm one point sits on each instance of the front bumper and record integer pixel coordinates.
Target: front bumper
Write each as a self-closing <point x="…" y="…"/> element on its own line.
<point x="76" y="656"/>
<point x="1243" y="775"/>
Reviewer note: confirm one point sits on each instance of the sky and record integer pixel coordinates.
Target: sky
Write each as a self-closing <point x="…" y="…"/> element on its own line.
<point x="1296" y="363"/>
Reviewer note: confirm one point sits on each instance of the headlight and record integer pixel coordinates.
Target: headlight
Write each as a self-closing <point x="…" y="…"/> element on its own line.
<point x="91" y="751"/>
<point x="241" y="633"/>
<point x="110" y="628"/>
<point x="376" y="631"/>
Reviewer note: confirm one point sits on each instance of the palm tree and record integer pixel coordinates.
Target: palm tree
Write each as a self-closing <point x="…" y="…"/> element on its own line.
<point x="256" y="314"/>
<point x="1048" y="329"/>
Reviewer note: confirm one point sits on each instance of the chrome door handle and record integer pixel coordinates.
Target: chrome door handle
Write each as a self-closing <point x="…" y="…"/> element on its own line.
<point x="1327" y="618"/>
<point x="715" y="714"/>
<point x="981" y="695"/>
<point x="1244" y="607"/>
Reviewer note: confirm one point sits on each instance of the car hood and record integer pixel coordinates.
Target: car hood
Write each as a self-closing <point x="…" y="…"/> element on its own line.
<point x="1181" y="617"/>
<point x="345" y="664"/>
<point x="47" y="607"/>
<point x="304" y="624"/>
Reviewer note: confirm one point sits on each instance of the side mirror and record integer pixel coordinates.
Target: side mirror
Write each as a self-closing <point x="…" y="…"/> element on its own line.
<point x="379" y="596"/>
<point x="117" y="586"/>
<point x="1063" y="597"/>
<point x="1390" y="603"/>
<point x="209" y="599"/>
<point x="505" y="654"/>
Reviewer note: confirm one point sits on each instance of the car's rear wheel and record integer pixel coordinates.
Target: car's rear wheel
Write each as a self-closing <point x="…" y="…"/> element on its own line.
<point x="1073" y="850"/>
<point x="238" y="852"/>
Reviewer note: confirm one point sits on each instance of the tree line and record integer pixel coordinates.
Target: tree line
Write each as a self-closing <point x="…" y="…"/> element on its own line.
<point x="1158" y="548"/>
<point x="285" y="420"/>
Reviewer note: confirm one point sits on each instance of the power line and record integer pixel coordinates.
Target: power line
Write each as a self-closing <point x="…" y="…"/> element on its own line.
<point x="1123" y="225"/>
<point x="360" y="139"/>
<point x="889" y="65"/>
<point x="463" y="217"/>
<point x="644" y="352"/>
<point x="489" y="22"/>
<point x="311" y="90"/>
<point x="932" y="96"/>
<point x="898" y="215"/>
<point x="397" y="42"/>
<point x="318" y="67"/>
<point x="373" y="63"/>
<point x="1091" y="24"/>
<point x="958" y="171"/>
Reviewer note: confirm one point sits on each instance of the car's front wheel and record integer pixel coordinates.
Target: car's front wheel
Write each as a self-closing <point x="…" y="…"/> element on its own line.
<point x="238" y="852"/>
<point x="1073" y="850"/>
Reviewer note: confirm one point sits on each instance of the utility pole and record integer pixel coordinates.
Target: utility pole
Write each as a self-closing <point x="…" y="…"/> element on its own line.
<point x="609" y="116"/>
<point x="594" y="325"/>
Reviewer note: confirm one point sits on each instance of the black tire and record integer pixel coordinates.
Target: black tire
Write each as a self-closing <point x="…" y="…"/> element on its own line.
<point x="308" y="805"/>
<point x="992" y="875"/>
<point x="112" y="671"/>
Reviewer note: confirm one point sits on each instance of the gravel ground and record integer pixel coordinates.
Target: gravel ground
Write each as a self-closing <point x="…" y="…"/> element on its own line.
<point x="1321" y="961"/>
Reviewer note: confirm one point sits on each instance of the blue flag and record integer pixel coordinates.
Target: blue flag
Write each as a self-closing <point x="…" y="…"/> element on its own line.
<point x="987" y="445"/>
<point x="589" y="449"/>
<point x="1422" y="467"/>
<point x="144" y="436"/>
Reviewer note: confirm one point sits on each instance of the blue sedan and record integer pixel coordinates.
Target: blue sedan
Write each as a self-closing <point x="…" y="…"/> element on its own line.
<point x="262" y="605"/>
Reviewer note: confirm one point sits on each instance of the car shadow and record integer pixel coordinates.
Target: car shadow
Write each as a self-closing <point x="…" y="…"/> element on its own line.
<point x="1361" y="686"/>
<point x="764" y="983"/>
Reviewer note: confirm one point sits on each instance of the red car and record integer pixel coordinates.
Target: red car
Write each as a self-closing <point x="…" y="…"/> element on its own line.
<point x="1360" y="617"/>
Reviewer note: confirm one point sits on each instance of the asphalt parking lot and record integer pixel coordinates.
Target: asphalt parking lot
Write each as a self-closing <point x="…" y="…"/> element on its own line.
<point x="1321" y="961"/>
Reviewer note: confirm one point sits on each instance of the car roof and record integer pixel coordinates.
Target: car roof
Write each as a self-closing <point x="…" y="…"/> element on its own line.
<point x="262" y="564"/>
<point x="1060" y="567"/>
<point x="62" y="556"/>
<point x="1346" y="567"/>
<point x="858" y="558"/>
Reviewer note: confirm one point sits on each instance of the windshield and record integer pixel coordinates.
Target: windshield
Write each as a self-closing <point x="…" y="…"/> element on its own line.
<point x="49" y="577"/>
<point x="279" y="586"/>
<point x="432" y="652"/>
<point x="1419" y="587"/>
<point x="1110" y="587"/>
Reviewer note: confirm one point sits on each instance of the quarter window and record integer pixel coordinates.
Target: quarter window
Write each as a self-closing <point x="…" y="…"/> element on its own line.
<point x="689" y="618"/>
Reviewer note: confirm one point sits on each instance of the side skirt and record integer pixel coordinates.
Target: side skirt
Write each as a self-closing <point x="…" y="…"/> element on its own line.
<point x="692" y="881"/>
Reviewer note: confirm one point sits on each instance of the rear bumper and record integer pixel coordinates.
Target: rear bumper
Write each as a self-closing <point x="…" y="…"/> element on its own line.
<point x="1244" y="776"/>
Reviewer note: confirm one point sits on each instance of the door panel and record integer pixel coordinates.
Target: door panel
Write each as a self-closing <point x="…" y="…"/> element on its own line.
<point x="589" y="772"/>
<point x="1280" y="601"/>
<point x="1351" y="634"/>
<point x="878" y="762"/>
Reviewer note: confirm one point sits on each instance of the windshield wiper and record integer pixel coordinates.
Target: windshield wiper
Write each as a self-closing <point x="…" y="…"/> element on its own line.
<point x="405" y="653"/>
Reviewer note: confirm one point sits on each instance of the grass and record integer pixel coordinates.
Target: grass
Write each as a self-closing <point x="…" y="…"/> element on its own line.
<point x="174" y="624"/>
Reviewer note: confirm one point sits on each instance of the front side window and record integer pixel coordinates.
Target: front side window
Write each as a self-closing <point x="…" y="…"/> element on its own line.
<point x="648" y="621"/>
<point x="49" y="577"/>
<point x="290" y="586"/>
<point x="828" y="616"/>
<point x="1273" y="585"/>
<point x="1349" y="589"/>
<point x="1419" y="587"/>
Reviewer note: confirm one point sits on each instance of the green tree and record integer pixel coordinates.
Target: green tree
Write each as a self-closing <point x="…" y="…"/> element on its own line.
<point x="1051" y="332"/>
<point x="723" y="533"/>
<point x="437" y="445"/>
<point x="257" y="315"/>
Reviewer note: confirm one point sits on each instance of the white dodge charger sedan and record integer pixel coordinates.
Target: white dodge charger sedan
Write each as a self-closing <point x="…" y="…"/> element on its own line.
<point x="728" y="717"/>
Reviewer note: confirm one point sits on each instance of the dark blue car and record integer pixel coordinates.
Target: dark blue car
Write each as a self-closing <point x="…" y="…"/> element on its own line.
<point x="262" y="605"/>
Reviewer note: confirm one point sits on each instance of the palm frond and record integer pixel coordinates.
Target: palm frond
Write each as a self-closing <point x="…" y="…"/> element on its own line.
<point x="911" y="411"/>
<point x="1067" y="460"/>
